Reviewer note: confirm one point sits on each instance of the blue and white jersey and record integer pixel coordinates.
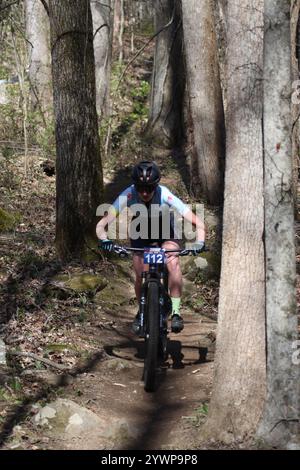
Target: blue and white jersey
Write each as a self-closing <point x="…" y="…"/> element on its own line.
<point x="152" y="221"/>
<point x="162" y="196"/>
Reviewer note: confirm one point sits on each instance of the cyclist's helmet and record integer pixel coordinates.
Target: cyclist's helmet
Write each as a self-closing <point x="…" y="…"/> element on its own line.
<point x="146" y="174"/>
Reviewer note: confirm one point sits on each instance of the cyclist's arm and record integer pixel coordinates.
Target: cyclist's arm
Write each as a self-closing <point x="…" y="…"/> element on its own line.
<point x="197" y="222"/>
<point x="104" y="222"/>
<point x="115" y="209"/>
<point x="173" y="201"/>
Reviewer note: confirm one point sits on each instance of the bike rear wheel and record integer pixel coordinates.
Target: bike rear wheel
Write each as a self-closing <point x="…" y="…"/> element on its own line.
<point x="152" y="336"/>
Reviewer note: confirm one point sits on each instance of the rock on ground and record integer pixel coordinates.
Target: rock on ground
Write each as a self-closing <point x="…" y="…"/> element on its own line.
<point x="79" y="428"/>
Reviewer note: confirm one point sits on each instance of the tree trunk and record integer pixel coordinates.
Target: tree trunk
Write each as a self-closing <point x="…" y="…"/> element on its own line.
<point x="117" y="21"/>
<point x="79" y="173"/>
<point x="121" y="31"/>
<point x="239" y="385"/>
<point x="102" y="22"/>
<point x="295" y="43"/>
<point x="282" y="402"/>
<point x="38" y="36"/>
<point x="164" y="125"/>
<point x="145" y="13"/>
<point x="205" y="95"/>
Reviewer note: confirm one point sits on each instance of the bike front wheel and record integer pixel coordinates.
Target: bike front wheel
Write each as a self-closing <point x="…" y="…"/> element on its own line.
<point x="152" y="336"/>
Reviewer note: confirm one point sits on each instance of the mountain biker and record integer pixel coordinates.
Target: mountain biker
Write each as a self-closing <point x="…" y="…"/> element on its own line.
<point x="147" y="191"/>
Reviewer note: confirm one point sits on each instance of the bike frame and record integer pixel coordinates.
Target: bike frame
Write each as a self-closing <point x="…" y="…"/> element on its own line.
<point x="157" y="273"/>
<point x="155" y="335"/>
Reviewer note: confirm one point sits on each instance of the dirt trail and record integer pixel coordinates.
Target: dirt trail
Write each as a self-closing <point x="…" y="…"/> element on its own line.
<point x="112" y="388"/>
<point x="166" y="416"/>
<point x="166" y="419"/>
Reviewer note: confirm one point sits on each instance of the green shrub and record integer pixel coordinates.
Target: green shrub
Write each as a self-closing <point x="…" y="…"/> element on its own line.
<point x="8" y="221"/>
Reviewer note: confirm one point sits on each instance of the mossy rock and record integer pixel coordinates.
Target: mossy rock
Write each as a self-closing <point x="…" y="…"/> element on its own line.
<point x="82" y="282"/>
<point x="63" y="286"/>
<point x="8" y="221"/>
<point x="110" y="297"/>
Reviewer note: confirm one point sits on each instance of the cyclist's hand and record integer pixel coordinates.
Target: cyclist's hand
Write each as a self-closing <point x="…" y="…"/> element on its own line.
<point x="106" y="245"/>
<point x="198" y="247"/>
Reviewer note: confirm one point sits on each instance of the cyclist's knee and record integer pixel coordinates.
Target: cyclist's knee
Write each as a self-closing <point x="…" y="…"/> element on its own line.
<point x="172" y="259"/>
<point x="138" y="265"/>
<point x="173" y="263"/>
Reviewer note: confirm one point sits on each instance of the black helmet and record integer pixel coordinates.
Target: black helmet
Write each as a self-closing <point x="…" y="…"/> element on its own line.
<point x="146" y="174"/>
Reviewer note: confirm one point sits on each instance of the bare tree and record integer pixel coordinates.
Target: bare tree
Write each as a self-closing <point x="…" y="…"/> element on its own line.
<point x="282" y="405"/>
<point x="240" y="364"/>
<point x="38" y="36"/>
<point x="117" y="19"/>
<point x="102" y="14"/>
<point x="121" y="31"/>
<point x="295" y="53"/>
<point x="205" y="95"/>
<point x="79" y="173"/>
<point x="164" y="124"/>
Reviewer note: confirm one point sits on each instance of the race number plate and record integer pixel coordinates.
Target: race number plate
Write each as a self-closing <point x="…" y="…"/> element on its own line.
<point x="154" y="256"/>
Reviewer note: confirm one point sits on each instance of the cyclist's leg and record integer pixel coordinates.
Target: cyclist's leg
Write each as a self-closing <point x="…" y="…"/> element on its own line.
<point x="138" y="266"/>
<point x="175" y="284"/>
<point x="173" y="265"/>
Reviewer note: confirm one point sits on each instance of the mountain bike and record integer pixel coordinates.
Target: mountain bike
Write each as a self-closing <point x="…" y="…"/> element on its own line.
<point x="155" y="307"/>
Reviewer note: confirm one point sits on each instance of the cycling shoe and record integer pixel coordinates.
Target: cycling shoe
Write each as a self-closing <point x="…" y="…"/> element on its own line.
<point x="136" y="324"/>
<point x="177" y="324"/>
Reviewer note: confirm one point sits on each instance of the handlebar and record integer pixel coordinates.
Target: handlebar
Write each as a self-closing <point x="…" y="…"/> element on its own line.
<point x="124" y="251"/>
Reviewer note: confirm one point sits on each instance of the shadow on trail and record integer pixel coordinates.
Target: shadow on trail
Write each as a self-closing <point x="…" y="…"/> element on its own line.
<point x="162" y="406"/>
<point x="20" y="411"/>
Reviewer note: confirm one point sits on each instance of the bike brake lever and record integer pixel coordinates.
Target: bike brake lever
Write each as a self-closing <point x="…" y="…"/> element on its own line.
<point x="120" y="251"/>
<point x="190" y="252"/>
<point x="185" y="253"/>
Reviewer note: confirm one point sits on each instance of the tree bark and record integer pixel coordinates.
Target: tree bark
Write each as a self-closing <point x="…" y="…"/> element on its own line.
<point x="121" y="31"/>
<point x="117" y="19"/>
<point x="102" y="23"/>
<point x="295" y="44"/>
<point x="38" y="36"/>
<point x="205" y="95"/>
<point x="79" y="173"/>
<point x="239" y="385"/>
<point x="165" y="118"/>
<point x="282" y="403"/>
<point x="145" y="13"/>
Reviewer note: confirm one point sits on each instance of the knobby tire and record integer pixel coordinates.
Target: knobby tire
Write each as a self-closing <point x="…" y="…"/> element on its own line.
<point x="152" y="341"/>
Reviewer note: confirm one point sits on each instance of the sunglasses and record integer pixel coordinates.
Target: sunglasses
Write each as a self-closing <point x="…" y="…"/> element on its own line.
<point x="147" y="189"/>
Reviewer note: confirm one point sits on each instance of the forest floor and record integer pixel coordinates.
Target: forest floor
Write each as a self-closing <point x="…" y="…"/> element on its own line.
<point x="85" y="331"/>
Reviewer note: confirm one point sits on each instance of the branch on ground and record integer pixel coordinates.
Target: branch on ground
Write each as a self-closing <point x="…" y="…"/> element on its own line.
<point x="39" y="359"/>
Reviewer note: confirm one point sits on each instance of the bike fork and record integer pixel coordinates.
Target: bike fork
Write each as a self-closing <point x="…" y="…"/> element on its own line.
<point x="142" y="305"/>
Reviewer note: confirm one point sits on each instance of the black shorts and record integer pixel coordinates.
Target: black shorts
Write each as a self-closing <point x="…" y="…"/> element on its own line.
<point x="139" y="243"/>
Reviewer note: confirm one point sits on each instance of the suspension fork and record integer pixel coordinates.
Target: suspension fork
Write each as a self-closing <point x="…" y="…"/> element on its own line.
<point x="147" y="276"/>
<point x="164" y="293"/>
<point x="142" y="308"/>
